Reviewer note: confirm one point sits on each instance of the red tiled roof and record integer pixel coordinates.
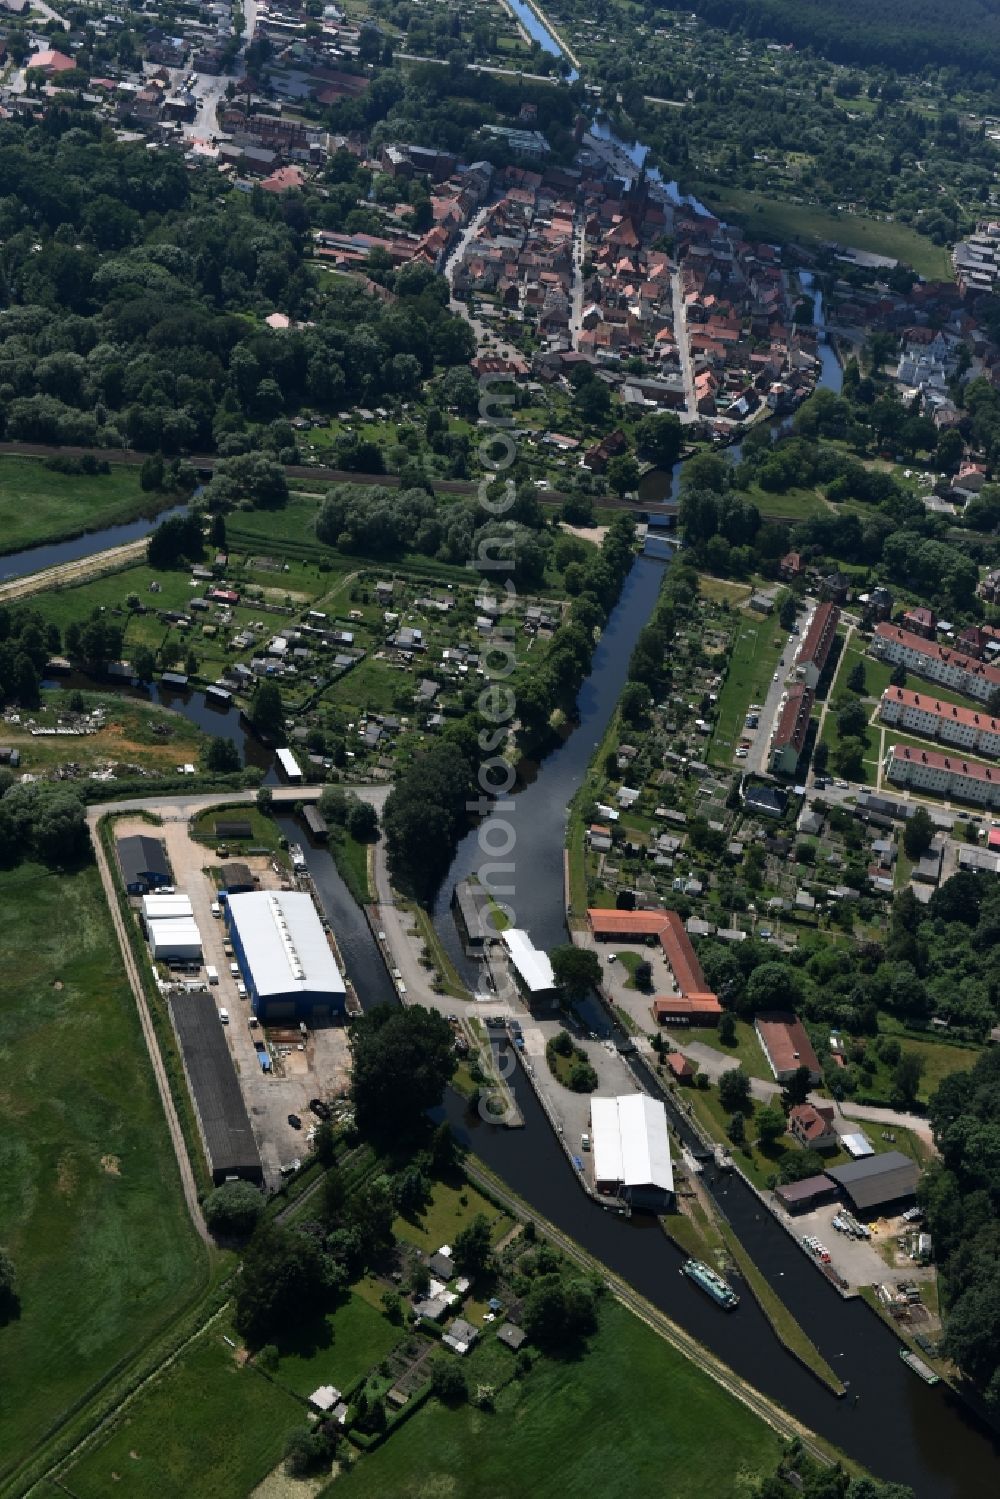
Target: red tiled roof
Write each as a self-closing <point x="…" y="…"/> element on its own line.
<point x="912" y="642"/>
<point x="974" y="770"/>
<point x="927" y="703"/>
<point x="794" y="721"/>
<point x="669" y="929"/>
<point x="784" y="1038"/>
<point x="819" y="637"/>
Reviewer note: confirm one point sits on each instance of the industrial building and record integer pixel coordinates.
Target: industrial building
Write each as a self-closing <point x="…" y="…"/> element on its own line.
<point x="235" y="878"/>
<point x="166" y="908"/>
<point x="144" y="864"/>
<point x="289" y="766"/>
<point x="222" y="1116"/>
<point x="632" y="1150"/>
<point x="530" y="966"/>
<point x="174" y="939"/>
<point x="285" y="957"/>
<point x="876" y="1181"/>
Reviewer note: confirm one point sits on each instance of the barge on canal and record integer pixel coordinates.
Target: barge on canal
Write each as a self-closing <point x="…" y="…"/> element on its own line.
<point x="709" y="1281"/>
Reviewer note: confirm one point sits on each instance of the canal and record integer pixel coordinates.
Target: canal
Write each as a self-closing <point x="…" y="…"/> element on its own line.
<point x="54" y="553"/>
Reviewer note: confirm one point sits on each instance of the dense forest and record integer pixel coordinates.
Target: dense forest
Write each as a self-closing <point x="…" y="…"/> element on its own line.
<point x="961" y="1197"/>
<point x="904" y="34"/>
<point x="136" y="297"/>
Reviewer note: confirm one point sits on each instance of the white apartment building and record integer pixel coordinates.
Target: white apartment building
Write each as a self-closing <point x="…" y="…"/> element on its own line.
<point x="935" y="662"/>
<point x="922" y="713"/>
<point x="943" y="775"/>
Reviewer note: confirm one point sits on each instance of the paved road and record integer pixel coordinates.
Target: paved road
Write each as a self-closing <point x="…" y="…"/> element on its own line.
<point x="576" y="294"/>
<point x="756" y="762"/>
<point x="683" y="345"/>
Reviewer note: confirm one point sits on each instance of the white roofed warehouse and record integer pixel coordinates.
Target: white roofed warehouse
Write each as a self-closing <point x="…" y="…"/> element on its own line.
<point x="632" y="1150"/>
<point x="530" y="966"/>
<point x="284" y="955"/>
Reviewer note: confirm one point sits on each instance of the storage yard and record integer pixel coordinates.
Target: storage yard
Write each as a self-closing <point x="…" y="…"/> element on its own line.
<point x="255" y="991"/>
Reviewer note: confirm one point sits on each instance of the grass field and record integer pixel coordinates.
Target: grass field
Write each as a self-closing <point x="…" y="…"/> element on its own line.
<point x="353" y="1339"/>
<point x="631" y="1417"/>
<point x="777" y="219"/>
<point x="38" y="505"/>
<point x="450" y="1209"/>
<point x="747" y="1051"/>
<point x="90" y="1201"/>
<point x="794" y="504"/>
<point x="754" y="657"/>
<point x="205" y="1427"/>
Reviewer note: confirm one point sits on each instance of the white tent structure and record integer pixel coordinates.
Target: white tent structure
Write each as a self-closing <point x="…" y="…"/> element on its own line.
<point x="176" y="938"/>
<point x="631" y="1148"/>
<point x="532" y="969"/>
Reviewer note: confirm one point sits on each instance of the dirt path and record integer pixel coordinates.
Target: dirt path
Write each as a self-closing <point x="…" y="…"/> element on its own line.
<point x="77" y="571"/>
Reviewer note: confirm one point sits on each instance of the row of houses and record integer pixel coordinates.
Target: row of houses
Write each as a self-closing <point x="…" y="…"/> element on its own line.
<point x="937" y="663"/>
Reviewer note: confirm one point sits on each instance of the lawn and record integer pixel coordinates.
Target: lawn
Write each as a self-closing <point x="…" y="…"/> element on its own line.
<point x="90" y="1200"/>
<point x="564" y="1429"/>
<point x="752" y="663"/>
<point x="793" y="504"/>
<point x="747" y="1051"/>
<point x="774" y="217"/>
<point x="205" y="1427"/>
<point x="450" y="1209"/>
<point x="352" y="1340"/>
<point x="877" y="674"/>
<point x="265" y="832"/>
<point x="37" y="504"/>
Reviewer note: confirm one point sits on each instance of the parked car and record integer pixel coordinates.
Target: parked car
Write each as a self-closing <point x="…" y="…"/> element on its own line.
<point x="295" y="1121"/>
<point x="224" y="1016"/>
<point x="216" y="909"/>
<point x="320" y="1109"/>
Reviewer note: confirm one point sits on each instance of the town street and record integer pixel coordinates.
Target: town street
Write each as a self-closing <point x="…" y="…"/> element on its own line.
<point x="683" y="345"/>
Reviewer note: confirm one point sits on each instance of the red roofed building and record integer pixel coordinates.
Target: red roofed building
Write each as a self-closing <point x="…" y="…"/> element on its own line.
<point x="791" y="565"/>
<point x="922" y="713"/>
<point x="936" y="662"/>
<point x="921" y="621"/>
<point x="681" y="1069"/>
<point x="945" y="775"/>
<point x="694" y="1003"/>
<point x="813" y="1127"/>
<point x="51" y="62"/>
<point x="786" y="1045"/>
<point x="284" y="180"/>
<point x="817" y="642"/>
<point x="790" y="731"/>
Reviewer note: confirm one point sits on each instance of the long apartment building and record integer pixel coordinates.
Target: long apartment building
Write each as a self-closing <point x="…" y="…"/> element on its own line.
<point x="937" y="663"/>
<point x="791" y="728"/>
<point x="944" y="775"/>
<point x="816" y="643"/>
<point x="922" y="713"/>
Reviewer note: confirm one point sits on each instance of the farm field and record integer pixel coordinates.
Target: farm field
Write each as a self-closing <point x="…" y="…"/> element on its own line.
<point x="205" y="1427"/>
<point x="38" y="504"/>
<point x="90" y="1199"/>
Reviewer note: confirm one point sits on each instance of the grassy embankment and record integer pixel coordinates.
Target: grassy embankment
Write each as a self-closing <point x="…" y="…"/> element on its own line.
<point x="806" y="223"/>
<point x="90" y="1199"/>
<point x="38" y="504"/>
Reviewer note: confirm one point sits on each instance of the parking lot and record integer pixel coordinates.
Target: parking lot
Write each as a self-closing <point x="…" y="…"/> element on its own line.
<point x="861" y="1262"/>
<point x="303" y="1067"/>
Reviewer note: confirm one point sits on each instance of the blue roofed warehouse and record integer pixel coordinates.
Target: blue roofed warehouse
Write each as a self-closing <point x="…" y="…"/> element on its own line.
<point x="285" y="957"/>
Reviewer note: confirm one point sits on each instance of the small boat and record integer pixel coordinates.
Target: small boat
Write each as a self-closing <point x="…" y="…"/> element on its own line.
<point x="712" y="1283"/>
<point x="919" y="1367"/>
<point x="297" y="856"/>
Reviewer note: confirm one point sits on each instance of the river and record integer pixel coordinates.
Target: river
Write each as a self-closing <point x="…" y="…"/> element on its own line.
<point x="53" y="553"/>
